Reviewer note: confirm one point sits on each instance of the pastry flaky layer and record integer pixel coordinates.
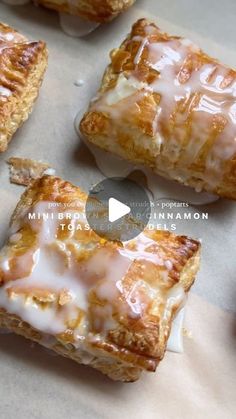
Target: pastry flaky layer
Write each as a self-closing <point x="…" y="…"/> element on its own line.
<point x="95" y="10"/>
<point x="166" y="104"/>
<point x="103" y="303"/>
<point x="22" y="66"/>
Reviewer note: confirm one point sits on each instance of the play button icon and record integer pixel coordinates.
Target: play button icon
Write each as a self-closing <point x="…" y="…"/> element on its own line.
<point x="118" y="209"/>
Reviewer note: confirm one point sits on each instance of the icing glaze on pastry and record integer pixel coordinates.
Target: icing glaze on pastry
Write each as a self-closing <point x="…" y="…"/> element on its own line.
<point x="22" y="66"/>
<point x="175" y="341"/>
<point x="166" y="104"/>
<point x="96" y="301"/>
<point x="5" y="92"/>
<point x="54" y="268"/>
<point x="115" y="166"/>
<point x="167" y="58"/>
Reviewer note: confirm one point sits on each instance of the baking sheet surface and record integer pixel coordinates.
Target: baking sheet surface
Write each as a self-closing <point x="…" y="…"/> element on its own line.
<point x="201" y="382"/>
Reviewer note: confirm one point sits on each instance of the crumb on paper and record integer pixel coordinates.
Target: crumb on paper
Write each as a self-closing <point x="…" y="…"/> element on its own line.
<point x="22" y="171"/>
<point x="187" y="333"/>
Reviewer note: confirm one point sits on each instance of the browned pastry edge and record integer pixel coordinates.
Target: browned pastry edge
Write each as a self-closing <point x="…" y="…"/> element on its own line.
<point x="126" y="351"/>
<point x="23" y="171"/>
<point x="95" y="10"/>
<point x="95" y="125"/>
<point x="102" y="361"/>
<point x="48" y="188"/>
<point x="22" y="66"/>
<point x="116" y="368"/>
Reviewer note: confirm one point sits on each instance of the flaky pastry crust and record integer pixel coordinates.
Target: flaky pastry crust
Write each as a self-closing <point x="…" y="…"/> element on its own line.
<point x="22" y="66"/>
<point x="23" y="171"/>
<point x="102" y="303"/>
<point x="96" y="10"/>
<point x="164" y="103"/>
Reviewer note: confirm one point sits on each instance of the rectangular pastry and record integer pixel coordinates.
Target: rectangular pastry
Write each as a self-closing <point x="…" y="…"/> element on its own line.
<point x="22" y="66"/>
<point x="166" y="104"/>
<point x="96" y="10"/>
<point x="103" y="303"/>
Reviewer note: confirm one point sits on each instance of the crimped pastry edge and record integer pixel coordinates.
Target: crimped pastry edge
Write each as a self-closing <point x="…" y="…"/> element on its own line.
<point x="119" y="367"/>
<point x="19" y="105"/>
<point x="93" y="123"/>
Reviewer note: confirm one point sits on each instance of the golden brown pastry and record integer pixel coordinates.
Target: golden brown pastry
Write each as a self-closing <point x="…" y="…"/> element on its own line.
<point x="102" y="303"/>
<point x="166" y="104"/>
<point x="95" y="10"/>
<point x="23" y="171"/>
<point x="22" y="66"/>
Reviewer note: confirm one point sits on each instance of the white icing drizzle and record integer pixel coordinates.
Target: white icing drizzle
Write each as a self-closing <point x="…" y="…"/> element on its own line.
<point x="168" y="60"/>
<point x="115" y="166"/>
<point x="75" y="26"/>
<point x="58" y="287"/>
<point x="175" y="86"/>
<point x="140" y="250"/>
<point x="176" y="298"/>
<point x="175" y="341"/>
<point x="6" y="37"/>
<point x="5" y="92"/>
<point x="123" y="89"/>
<point x="50" y="172"/>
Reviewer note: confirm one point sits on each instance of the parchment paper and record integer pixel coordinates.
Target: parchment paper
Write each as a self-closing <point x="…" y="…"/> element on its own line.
<point x="197" y="384"/>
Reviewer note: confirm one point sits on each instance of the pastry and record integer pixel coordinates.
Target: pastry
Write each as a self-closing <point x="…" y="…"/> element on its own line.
<point x="103" y="303"/>
<point x="22" y="65"/>
<point x="96" y="10"/>
<point x="165" y="104"/>
<point x="23" y="171"/>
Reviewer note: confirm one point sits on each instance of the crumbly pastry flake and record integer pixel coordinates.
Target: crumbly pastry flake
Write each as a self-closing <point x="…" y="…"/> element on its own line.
<point x="22" y="171"/>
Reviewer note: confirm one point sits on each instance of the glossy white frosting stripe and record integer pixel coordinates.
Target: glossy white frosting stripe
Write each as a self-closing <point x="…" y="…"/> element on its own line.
<point x="59" y="287"/>
<point x="208" y="82"/>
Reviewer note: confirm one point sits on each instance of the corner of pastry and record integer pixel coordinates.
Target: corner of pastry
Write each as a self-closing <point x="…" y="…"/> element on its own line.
<point x="22" y="66"/>
<point x="23" y="171"/>
<point x="106" y="304"/>
<point x="165" y="104"/>
<point x="95" y="10"/>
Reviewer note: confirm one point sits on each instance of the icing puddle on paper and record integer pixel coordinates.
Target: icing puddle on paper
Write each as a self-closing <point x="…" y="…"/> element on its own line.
<point x="75" y="26"/>
<point x="71" y="25"/>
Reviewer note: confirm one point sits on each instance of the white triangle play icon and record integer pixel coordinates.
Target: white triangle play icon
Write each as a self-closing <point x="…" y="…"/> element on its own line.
<point x="117" y="210"/>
